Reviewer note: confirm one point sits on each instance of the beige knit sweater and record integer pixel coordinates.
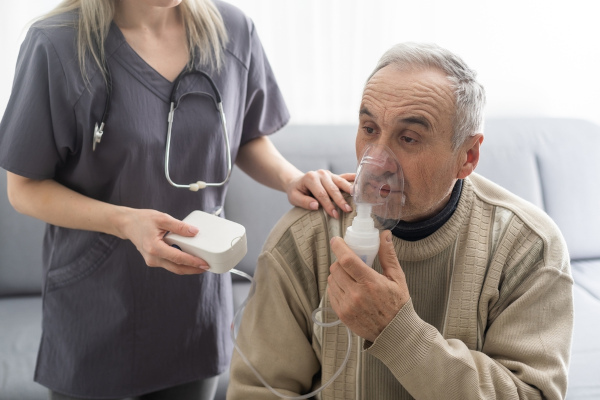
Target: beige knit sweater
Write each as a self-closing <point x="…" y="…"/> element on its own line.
<point x="500" y="321"/>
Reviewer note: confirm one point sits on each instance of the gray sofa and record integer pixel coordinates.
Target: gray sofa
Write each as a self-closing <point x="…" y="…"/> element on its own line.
<point x="553" y="163"/>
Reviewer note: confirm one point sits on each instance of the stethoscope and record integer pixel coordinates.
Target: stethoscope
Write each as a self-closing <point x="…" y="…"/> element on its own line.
<point x="99" y="128"/>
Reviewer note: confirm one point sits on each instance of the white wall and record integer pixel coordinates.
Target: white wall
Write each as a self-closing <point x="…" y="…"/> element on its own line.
<point x="535" y="57"/>
<point x="14" y="16"/>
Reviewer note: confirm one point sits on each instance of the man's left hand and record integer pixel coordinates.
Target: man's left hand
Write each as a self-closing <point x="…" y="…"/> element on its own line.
<point x="363" y="299"/>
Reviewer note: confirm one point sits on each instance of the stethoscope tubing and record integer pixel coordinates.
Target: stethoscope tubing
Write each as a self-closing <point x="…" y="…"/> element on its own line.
<point x="200" y="184"/>
<point x="99" y="129"/>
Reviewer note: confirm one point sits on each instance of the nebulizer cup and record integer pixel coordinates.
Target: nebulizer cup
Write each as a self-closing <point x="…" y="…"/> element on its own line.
<point x="378" y="193"/>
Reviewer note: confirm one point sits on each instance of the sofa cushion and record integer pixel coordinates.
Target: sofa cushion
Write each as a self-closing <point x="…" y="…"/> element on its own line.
<point x="326" y="147"/>
<point x="21" y="240"/>
<point x="572" y="193"/>
<point x="570" y="184"/>
<point x="499" y="165"/>
<point x="585" y="351"/>
<point x="586" y="274"/>
<point x="20" y="333"/>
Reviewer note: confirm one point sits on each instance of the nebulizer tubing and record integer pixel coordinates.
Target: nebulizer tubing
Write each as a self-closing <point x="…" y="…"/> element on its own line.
<point x="378" y="171"/>
<point x="314" y="318"/>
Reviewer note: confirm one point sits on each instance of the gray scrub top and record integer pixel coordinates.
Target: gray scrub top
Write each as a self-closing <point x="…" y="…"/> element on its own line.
<point x="113" y="327"/>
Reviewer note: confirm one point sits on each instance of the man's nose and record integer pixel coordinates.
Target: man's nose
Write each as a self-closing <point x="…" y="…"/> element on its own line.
<point x="384" y="160"/>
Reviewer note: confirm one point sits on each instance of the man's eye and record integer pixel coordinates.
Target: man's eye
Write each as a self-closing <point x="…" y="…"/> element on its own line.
<point x="407" y="139"/>
<point x="369" y="130"/>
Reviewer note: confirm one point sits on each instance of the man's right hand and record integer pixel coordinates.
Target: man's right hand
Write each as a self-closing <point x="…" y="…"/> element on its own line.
<point x="363" y="299"/>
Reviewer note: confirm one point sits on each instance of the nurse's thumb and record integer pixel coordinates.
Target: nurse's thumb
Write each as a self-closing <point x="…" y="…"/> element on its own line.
<point x="181" y="228"/>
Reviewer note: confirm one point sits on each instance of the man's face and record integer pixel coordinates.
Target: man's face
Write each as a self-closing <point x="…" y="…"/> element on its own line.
<point x="412" y="113"/>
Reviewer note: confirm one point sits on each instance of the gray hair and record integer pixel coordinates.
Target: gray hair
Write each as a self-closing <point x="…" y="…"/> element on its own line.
<point x="469" y="94"/>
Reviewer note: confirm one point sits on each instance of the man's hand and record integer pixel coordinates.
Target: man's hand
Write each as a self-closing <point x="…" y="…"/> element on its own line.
<point x="363" y="299"/>
<point x="320" y="187"/>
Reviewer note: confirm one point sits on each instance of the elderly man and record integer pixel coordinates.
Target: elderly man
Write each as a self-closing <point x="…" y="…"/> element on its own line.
<point x="470" y="296"/>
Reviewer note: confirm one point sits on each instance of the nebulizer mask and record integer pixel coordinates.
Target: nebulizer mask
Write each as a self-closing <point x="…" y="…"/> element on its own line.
<point x="378" y="193"/>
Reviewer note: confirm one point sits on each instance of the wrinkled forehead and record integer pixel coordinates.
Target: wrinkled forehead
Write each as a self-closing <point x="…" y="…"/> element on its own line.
<point x="425" y="92"/>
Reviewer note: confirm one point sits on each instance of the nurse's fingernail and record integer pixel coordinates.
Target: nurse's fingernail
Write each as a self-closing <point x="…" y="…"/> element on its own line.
<point x="204" y="267"/>
<point x="335" y="214"/>
<point x="314" y="205"/>
<point x="193" y="230"/>
<point x="347" y="208"/>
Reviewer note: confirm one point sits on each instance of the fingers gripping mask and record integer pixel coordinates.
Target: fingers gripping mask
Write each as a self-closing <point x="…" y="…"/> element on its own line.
<point x="379" y="185"/>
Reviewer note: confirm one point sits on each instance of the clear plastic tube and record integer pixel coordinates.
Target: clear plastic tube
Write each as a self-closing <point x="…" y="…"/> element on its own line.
<point x="315" y="320"/>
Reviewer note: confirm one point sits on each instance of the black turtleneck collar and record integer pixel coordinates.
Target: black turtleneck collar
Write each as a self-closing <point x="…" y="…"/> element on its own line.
<point x="420" y="230"/>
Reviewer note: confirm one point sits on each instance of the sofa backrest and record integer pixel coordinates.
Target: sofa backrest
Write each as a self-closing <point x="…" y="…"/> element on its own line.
<point x="308" y="147"/>
<point x="552" y="163"/>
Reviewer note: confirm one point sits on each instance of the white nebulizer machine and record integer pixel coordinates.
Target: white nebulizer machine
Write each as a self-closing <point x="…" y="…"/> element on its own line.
<point x="378" y="193"/>
<point x="220" y="242"/>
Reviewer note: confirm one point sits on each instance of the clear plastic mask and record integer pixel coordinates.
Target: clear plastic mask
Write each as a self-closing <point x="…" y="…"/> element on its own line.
<point x="380" y="183"/>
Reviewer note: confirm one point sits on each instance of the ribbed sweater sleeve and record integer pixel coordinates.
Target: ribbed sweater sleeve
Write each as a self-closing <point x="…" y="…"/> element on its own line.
<point x="525" y="314"/>
<point x="274" y="339"/>
<point x="508" y="319"/>
<point x="276" y="328"/>
<point x="514" y="363"/>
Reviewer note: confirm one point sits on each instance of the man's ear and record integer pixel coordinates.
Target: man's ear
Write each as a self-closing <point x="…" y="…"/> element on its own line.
<point x="469" y="155"/>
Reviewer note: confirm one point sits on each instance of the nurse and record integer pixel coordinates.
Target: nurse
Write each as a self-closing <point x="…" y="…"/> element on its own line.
<point x="112" y="327"/>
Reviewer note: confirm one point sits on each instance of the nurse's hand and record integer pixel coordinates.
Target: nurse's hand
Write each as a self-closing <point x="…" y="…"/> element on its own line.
<point x="146" y="229"/>
<point x="262" y="161"/>
<point x="321" y="187"/>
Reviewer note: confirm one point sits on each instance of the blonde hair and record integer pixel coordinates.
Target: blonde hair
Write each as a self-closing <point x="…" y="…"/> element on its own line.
<point x="206" y="33"/>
